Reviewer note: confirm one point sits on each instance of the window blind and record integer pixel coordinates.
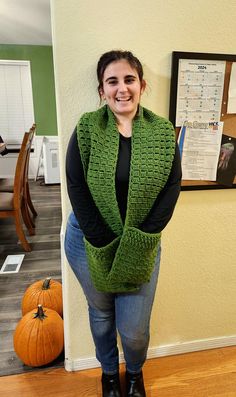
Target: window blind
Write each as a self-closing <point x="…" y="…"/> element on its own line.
<point x="16" y="100"/>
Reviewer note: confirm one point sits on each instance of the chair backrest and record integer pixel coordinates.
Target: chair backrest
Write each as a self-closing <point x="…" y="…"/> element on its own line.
<point x="20" y="169"/>
<point x="31" y="137"/>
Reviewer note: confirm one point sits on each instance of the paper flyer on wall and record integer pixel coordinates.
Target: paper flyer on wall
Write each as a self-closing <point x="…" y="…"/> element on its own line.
<point x="199" y="145"/>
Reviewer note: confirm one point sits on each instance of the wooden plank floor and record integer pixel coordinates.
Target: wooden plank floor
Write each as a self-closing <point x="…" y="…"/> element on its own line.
<point x="42" y="261"/>
<point x="210" y="373"/>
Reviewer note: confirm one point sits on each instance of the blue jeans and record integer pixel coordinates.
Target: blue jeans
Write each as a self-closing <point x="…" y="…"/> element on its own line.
<point x="127" y="313"/>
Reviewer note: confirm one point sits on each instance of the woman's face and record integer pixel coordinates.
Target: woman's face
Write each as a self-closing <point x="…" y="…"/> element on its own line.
<point x="122" y="88"/>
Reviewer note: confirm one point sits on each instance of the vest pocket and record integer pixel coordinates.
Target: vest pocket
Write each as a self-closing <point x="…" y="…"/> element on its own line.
<point x="125" y="263"/>
<point x="100" y="262"/>
<point x="135" y="257"/>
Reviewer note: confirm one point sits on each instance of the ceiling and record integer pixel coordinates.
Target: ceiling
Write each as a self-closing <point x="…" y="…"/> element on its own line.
<point x="25" y="22"/>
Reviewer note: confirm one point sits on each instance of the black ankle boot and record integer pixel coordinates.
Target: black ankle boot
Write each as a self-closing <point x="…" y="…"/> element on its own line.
<point x="135" y="385"/>
<point x="111" y="385"/>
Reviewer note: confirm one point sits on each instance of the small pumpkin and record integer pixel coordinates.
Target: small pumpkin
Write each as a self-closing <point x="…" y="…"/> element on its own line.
<point x="47" y="293"/>
<point x="38" y="338"/>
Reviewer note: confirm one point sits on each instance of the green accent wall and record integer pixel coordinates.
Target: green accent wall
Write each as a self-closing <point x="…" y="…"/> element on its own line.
<point x="42" y="74"/>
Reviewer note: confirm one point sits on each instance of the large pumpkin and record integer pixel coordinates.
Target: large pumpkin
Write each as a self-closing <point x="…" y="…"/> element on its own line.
<point x="38" y="338"/>
<point x="47" y="293"/>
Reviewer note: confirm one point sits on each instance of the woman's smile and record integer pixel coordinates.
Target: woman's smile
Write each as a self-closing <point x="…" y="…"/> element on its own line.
<point x="123" y="99"/>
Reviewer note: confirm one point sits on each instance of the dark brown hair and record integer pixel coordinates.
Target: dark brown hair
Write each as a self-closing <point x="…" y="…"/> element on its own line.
<point x="113" y="56"/>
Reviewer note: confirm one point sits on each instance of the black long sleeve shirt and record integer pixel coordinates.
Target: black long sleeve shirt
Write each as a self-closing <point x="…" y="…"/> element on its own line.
<point x="95" y="230"/>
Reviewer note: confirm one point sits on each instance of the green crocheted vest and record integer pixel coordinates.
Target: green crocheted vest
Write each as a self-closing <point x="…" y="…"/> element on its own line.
<point x="128" y="261"/>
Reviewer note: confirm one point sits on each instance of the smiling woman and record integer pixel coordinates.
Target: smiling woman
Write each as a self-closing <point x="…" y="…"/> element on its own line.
<point x="121" y="85"/>
<point x="121" y="89"/>
<point x="123" y="175"/>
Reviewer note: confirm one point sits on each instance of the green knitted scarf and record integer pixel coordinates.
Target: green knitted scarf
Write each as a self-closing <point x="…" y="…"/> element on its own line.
<point x="128" y="261"/>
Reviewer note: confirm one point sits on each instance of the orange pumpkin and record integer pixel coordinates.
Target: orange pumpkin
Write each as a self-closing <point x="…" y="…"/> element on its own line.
<point x="47" y="293"/>
<point x="38" y="338"/>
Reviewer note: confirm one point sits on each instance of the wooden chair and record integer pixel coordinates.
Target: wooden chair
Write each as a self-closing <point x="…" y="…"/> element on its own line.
<point x="27" y="196"/>
<point x="12" y="204"/>
<point x="7" y="184"/>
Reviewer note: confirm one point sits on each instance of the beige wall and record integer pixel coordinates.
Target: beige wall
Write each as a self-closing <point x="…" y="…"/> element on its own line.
<point x="197" y="285"/>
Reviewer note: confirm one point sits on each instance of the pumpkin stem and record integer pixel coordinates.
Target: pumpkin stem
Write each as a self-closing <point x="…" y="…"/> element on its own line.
<point x="40" y="313"/>
<point x="46" y="283"/>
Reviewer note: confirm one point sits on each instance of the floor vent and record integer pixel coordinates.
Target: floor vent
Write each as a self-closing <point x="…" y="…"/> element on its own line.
<point x="12" y="264"/>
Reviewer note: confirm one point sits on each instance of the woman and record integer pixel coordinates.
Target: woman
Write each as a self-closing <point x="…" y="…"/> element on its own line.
<point x="123" y="176"/>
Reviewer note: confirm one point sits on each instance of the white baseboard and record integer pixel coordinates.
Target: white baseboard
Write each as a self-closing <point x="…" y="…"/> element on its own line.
<point x="159" y="351"/>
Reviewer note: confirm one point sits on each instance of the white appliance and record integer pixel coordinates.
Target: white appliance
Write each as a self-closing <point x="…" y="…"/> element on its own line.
<point x="51" y="160"/>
